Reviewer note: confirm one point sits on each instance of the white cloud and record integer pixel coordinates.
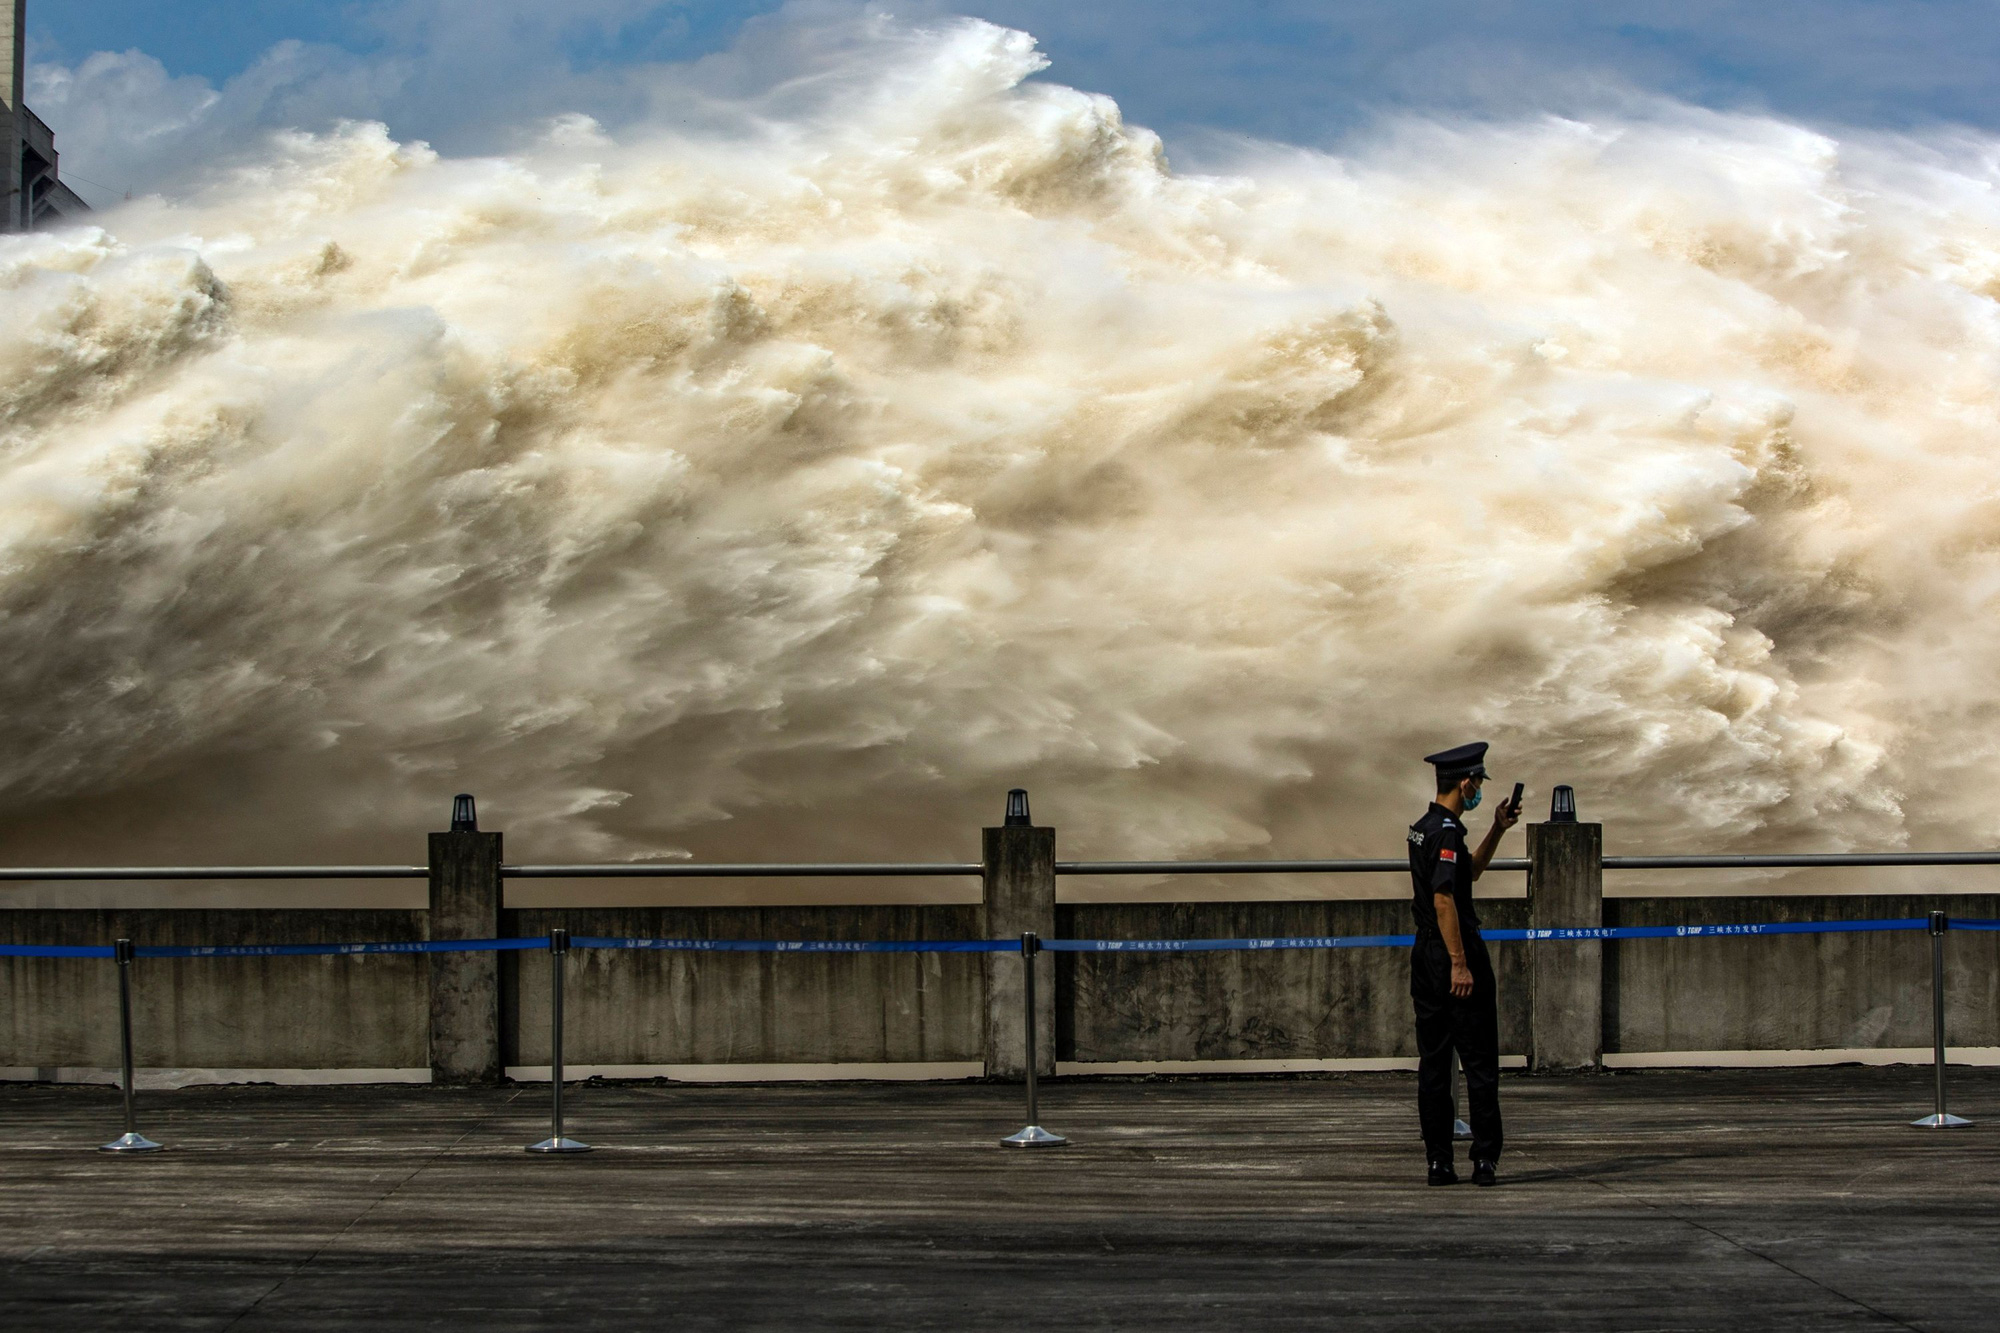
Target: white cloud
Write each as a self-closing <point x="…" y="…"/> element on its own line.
<point x="469" y="77"/>
<point x="125" y="123"/>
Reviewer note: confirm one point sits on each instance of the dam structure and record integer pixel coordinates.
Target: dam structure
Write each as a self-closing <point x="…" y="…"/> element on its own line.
<point x="36" y="196"/>
<point x="455" y="987"/>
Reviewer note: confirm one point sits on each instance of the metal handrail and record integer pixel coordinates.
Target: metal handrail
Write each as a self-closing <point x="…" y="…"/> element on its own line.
<point x="1254" y="867"/>
<point x="735" y="870"/>
<point x="1826" y="859"/>
<point x="214" y="872"/>
<point x="858" y="869"/>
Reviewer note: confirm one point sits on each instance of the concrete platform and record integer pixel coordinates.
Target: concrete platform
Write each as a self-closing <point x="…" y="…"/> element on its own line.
<point x="1770" y="1199"/>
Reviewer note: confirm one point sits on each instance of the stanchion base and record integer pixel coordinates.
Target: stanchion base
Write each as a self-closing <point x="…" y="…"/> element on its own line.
<point x="1460" y="1130"/>
<point x="131" y="1143"/>
<point x="557" y="1145"/>
<point x="1941" y="1121"/>
<point x="1034" y="1136"/>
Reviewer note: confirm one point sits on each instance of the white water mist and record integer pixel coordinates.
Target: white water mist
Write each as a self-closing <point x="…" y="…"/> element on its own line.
<point x="794" y="488"/>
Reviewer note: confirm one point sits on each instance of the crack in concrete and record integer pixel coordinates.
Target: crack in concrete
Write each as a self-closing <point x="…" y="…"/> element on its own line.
<point x="1734" y="1243"/>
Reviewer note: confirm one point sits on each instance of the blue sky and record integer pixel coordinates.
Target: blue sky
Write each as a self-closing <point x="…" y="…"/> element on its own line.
<point x="220" y="38"/>
<point x="461" y="72"/>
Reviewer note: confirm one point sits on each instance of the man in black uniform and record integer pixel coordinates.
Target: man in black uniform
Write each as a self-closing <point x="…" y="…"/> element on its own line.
<point x="1451" y="978"/>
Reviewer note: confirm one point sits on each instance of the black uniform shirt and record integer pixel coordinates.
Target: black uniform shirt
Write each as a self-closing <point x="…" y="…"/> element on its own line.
<point x="1439" y="863"/>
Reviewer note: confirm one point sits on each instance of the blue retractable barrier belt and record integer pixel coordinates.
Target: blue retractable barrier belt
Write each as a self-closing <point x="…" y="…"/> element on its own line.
<point x="301" y="950"/>
<point x="267" y="950"/>
<point x="1529" y="936"/>
<point x="1204" y="946"/>
<point x="1515" y="936"/>
<point x="1686" y="932"/>
<point x="799" y="946"/>
<point x="1974" y="923"/>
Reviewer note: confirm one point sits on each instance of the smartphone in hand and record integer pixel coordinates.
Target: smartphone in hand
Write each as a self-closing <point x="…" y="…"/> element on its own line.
<point x="1514" y="801"/>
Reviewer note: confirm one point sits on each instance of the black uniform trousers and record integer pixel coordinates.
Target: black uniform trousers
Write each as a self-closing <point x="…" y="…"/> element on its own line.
<point x="1471" y="1028"/>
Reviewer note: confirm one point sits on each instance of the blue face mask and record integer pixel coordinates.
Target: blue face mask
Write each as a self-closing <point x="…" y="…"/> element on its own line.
<point x="1472" y="801"/>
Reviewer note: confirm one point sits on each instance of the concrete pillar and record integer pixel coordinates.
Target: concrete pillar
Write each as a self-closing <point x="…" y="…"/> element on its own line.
<point x="13" y="120"/>
<point x="1020" y="894"/>
<point x="1565" y="980"/>
<point x="465" y="987"/>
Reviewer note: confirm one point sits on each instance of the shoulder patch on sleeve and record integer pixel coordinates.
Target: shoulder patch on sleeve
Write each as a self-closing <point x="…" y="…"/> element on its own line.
<point x="1447" y="854"/>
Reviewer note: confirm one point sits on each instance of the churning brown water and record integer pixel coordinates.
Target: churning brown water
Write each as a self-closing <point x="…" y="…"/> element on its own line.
<point x="793" y="489"/>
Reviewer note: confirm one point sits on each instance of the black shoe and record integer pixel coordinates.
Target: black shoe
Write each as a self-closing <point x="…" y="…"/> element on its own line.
<point x="1443" y="1173"/>
<point x="1482" y="1172"/>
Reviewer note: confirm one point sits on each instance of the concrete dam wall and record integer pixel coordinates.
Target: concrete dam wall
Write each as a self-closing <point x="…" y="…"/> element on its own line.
<point x="713" y="1014"/>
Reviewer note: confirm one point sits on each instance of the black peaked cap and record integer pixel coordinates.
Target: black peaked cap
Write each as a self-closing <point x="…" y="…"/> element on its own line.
<point x="1464" y="761"/>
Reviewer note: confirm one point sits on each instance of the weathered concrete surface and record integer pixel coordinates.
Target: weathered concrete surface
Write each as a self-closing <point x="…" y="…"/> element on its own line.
<point x="1019" y="893"/>
<point x="465" y="987"/>
<point x="1565" y="982"/>
<point x="1797" y="992"/>
<point x="631" y="1007"/>
<point x="643" y="1007"/>
<point x="1282" y="1004"/>
<point x="290" y="1013"/>
<point x="1794" y="1201"/>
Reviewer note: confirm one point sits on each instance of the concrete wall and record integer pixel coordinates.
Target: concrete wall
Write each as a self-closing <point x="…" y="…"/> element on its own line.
<point x="328" y="1012"/>
<point x="650" y="1007"/>
<point x="1796" y="992"/>
<point x="629" y="1007"/>
<point x="1284" y="1004"/>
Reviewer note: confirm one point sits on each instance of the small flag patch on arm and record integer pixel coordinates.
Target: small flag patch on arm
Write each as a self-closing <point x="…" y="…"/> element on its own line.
<point x="1447" y="854"/>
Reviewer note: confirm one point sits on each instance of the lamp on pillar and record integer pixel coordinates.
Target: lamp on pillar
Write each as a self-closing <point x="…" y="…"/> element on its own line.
<point x="465" y="987"/>
<point x="1019" y="889"/>
<point x="1566" y="980"/>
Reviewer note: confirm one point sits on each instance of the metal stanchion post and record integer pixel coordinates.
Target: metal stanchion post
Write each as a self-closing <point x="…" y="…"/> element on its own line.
<point x="1034" y="1136"/>
<point x="555" y="1142"/>
<point x="1940" y="1118"/>
<point x="131" y="1140"/>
